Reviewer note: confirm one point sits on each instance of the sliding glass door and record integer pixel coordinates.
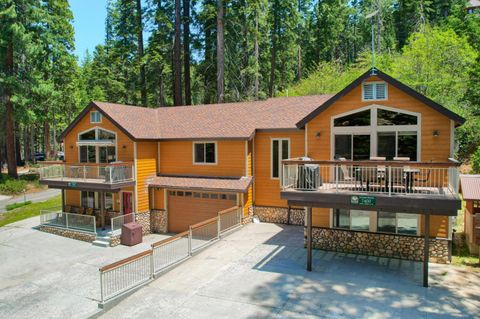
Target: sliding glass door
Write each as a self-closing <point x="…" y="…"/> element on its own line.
<point x="354" y="147"/>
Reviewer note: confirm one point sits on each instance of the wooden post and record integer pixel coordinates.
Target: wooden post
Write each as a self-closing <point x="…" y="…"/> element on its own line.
<point x="426" y="246"/>
<point x="309" y="238"/>
<point x="63" y="200"/>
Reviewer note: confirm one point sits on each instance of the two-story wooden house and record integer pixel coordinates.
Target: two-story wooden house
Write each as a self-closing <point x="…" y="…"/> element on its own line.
<point x="369" y="167"/>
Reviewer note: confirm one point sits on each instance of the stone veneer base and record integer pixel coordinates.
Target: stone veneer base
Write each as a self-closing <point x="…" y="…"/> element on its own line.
<point x="380" y="245"/>
<point x="280" y="215"/>
<point x="143" y="219"/>
<point x="78" y="235"/>
<point x="159" y="221"/>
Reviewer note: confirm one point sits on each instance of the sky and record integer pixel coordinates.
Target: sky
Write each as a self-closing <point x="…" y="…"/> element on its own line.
<point x="89" y="24"/>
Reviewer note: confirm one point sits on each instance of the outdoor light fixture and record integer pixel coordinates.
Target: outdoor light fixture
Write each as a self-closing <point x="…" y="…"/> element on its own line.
<point x="124" y="146"/>
<point x="71" y="146"/>
<point x="317" y="134"/>
<point x="436" y="133"/>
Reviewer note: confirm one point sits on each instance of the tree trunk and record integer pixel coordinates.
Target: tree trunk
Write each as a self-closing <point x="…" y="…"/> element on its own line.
<point x="220" y="53"/>
<point x="299" y="70"/>
<point x="46" y="139"/>
<point x="177" y="63"/>
<point x="143" y="88"/>
<point x="10" y="141"/>
<point x="186" y="51"/>
<point x="257" y="58"/>
<point x="18" y="145"/>
<point x="26" y="145"/>
<point x="273" y="60"/>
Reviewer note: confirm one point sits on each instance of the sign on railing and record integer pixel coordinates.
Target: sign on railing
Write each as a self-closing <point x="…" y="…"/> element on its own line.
<point x="123" y="276"/>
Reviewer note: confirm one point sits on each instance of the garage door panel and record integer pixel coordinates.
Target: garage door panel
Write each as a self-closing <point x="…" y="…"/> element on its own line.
<point x="185" y="211"/>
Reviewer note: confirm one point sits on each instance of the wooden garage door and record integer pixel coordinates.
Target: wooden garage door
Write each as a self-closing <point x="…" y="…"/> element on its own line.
<point x="187" y="208"/>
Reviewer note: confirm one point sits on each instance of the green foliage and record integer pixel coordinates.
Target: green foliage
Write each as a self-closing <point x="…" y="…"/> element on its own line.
<point x="476" y="161"/>
<point x="12" y="186"/>
<point x="17" y="205"/>
<point x="30" y="211"/>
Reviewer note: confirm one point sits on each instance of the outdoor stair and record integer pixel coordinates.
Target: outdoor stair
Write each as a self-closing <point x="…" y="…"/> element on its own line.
<point x="102" y="241"/>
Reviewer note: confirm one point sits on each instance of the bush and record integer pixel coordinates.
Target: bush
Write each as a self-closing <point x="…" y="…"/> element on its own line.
<point x="16" y="205"/>
<point x="476" y="161"/>
<point x="12" y="186"/>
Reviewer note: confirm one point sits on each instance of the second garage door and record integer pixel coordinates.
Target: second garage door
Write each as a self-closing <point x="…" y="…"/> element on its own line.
<point x="187" y="208"/>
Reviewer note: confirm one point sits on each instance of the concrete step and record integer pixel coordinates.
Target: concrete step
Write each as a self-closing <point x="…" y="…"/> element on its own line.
<point x="101" y="241"/>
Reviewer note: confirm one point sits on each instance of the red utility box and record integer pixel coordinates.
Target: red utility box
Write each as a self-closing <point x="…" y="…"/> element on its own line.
<point x="131" y="234"/>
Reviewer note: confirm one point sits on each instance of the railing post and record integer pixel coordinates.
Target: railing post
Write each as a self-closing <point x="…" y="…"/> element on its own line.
<point x="152" y="266"/>
<point x="218" y="226"/>
<point x="190" y="241"/>
<point x="101" y="288"/>
<point x="94" y="225"/>
<point x="110" y="173"/>
<point x="389" y="182"/>
<point x="336" y="178"/>
<point x="66" y="220"/>
<point x="84" y="172"/>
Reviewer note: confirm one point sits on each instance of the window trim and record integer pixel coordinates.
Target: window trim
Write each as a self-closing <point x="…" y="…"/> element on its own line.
<point x="205" y="163"/>
<point x="100" y="117"/>
<point x="280" y="139"/>
<point x="374" y="91"/>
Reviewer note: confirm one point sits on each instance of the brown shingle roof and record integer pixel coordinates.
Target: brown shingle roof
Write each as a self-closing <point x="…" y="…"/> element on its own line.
<point x="470" y="185"/>
<point x="228" y="120"/>
<point x="239" y="184"/>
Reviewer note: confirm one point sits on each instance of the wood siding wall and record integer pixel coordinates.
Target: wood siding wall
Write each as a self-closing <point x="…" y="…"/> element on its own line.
<point x="267" y="190"/>
<point x="146" y="167"/>
<point x="159" y="198"/>
<point x="177" y="159"/>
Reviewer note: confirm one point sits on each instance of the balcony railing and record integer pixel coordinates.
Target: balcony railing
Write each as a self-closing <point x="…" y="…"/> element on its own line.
<point x="104" y="173"/>
<point x="381" y="177"/>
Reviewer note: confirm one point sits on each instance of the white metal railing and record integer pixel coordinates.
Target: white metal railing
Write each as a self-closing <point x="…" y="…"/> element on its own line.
<point x="106" y="173"/>
<point x="125" y="274"/>
<point x="117" y="222"/>
<point x="59" y="219"/>
<point x="122" y="276"/>
<point x="392" y="178"/>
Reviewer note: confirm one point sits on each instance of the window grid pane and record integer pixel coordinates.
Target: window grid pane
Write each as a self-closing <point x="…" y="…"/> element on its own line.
<point x="275" y="150"/>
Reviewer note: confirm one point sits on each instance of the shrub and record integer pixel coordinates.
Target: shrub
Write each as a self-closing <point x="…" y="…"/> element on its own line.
<point x="12" y="186"/>
<point x="16" y="205"/>
<point x="476" y="161"/>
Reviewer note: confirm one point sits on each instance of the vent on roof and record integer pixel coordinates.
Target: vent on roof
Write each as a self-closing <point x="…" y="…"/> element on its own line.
<point x="374" y="91"/>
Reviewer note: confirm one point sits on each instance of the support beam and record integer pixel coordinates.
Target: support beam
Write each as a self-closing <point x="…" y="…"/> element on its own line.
<point x="63" y="200"/>
<point x="426" y="246"/>
<point x="309" y="238"/>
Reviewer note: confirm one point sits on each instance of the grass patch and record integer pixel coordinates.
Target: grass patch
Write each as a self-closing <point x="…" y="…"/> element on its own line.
<point x="461" y="255"/>
<point x="29" y="210"/>
<point x="17" y="205"/>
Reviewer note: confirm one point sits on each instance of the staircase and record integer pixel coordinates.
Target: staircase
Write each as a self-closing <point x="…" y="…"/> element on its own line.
<point x="102" y="241"/>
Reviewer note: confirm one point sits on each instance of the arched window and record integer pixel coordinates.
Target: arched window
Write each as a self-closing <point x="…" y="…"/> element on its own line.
<point x="376" y="131"/>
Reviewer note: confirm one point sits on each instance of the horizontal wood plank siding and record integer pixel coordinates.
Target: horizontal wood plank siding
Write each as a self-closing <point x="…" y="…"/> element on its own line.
<point x="321" y="217"/>
<point x="159" y="198"/>
<point x="146" y="168"/>
<point x="177" y="158"/>
<point x="267" y="190"/>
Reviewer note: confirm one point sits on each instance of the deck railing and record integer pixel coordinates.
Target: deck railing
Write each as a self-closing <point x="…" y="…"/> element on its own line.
<point x="117" y="222"/>
<point x="385" y="177"/>
<point x="69" y="221"/>
<point x="106" y="173"/>
<point x="127" y="274"/>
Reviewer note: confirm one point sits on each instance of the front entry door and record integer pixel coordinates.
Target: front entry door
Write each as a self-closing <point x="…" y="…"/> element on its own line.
<point x="127" y="203"/>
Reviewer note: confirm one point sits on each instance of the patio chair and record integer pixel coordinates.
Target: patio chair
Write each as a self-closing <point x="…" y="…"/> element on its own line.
<point x="81" y="210"/>
<point x="68" y="209"/>
<point x="347" y="177"/>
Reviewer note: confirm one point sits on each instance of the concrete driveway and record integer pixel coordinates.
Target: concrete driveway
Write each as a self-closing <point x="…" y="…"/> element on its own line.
<point x="259" y="272"/>
<point x="48" y="276"/>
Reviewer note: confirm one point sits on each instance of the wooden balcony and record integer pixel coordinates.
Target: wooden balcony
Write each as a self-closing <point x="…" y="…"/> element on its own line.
<point x="83" y="176"/>
<point x="372" y="185"/>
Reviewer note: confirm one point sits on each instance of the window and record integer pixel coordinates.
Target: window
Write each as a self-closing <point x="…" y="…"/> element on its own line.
<point x="196" y="195"/>
<point x="374" y="91"/>
<point x="397" y="223"/>
<point x="397" y="144"/>
<point x="352" y="219"/>
<point x="386" y="117"/>
<point x="356" y="119"/>
<point x="95" y="117"/>
<point x="280" y="151"/>
<point x="205" y="153"/>
<point x="88" y="154"/>
<point x="232" y="197"/>
<point x="108" y="201"/>
<point x="223" y="196"/>
<point x="88" y="136"/>
<point x="92" y="147"/>
<point x="214" y="196"/>
<point x="105" y="135"/>
<point x="88" y="199"/>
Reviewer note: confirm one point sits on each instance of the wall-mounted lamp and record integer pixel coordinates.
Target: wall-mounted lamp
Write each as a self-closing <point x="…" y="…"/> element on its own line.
<point x="436" y="133"/>
<point x="124" y="146"/>
<point x="317" y="135"/>
<point x="71" y="147"/>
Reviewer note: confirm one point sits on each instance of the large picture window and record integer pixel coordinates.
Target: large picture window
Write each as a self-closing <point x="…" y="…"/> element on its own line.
<point x="205" y="153"/>
<point x="352" y="219"/>
<point x="97" y="146"/>
<point x="398" y="223"/>
<point x="376" y="131"/>
<point x="280" y="151"/>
